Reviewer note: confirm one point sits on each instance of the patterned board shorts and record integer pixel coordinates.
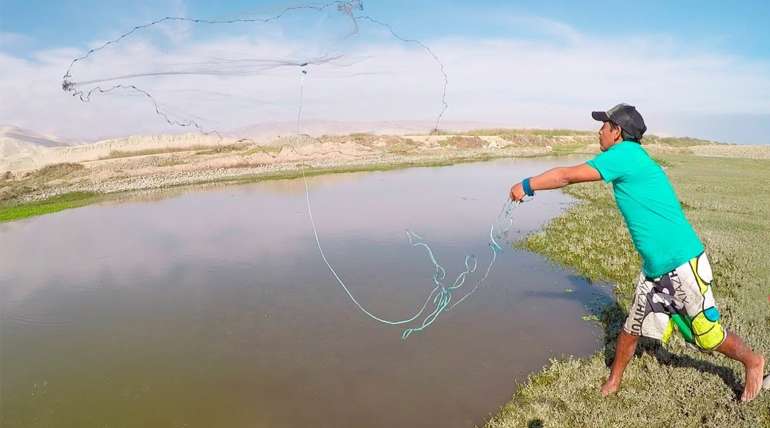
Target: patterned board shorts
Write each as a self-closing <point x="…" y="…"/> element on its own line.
<point x="679" y="300"/>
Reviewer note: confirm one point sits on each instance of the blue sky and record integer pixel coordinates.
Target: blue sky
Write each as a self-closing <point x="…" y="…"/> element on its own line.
<point x="688" y="35"/>
<point x="735" y="27"/>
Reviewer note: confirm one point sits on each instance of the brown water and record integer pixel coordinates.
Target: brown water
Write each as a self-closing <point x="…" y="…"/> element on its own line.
<point x="214" y="309"/>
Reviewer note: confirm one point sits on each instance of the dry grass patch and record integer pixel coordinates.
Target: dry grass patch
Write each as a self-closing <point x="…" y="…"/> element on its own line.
<point x="13" y="188"/>
<point x="265" y="149"/>
<point x="505" y="132"/>
<point x="734" y="151"/>
<point x="463" y="142"/>
<point x="229" y="148"/>
<point x="116" y="154"/>
<point x="399" y="145"/>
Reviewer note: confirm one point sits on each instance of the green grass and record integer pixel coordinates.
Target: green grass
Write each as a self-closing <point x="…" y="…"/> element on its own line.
<point x="728" y="203"/>
<point x="51" y="205"/>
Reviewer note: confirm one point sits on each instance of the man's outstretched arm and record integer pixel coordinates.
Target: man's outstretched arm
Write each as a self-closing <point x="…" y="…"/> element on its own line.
<point x="556" y="178"/>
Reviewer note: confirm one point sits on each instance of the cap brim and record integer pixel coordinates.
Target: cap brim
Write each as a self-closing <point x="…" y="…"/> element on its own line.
<point x="601" y="116"/>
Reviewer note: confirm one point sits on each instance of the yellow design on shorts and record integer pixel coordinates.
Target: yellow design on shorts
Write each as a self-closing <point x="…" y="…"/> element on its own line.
<point x="680" y="300"/>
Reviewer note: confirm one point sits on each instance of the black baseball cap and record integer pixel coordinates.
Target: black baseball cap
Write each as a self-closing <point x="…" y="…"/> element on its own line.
<point x="626" y="116"/>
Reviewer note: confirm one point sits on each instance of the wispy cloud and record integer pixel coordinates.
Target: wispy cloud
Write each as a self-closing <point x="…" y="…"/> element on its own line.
<point x="525" y="81"/>
<point x="537" y="25"/>
<point x="13" y="40"/>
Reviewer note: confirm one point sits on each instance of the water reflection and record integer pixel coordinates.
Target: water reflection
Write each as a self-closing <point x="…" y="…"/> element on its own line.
<point x="215" y="309"/>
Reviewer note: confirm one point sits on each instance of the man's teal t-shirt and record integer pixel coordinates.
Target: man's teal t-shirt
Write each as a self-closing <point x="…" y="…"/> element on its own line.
<point x="645" y="197"/>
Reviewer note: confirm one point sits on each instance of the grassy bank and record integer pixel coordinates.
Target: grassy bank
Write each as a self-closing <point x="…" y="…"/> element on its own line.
<point x="78" y="184"/>
<point x="728" y="202"/>
<point x="10" y="211"/>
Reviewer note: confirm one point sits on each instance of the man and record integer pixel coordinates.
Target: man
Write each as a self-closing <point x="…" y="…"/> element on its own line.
<point x="674" y="288"/>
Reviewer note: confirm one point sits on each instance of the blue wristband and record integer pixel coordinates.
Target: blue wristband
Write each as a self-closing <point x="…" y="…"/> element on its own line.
<point x="527" y="188"/>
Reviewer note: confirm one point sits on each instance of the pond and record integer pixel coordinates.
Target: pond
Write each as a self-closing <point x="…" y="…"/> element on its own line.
<point x="215" y="309"/>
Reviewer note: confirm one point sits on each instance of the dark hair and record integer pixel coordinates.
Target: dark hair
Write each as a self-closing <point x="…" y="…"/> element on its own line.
<point x="625" y="135"/>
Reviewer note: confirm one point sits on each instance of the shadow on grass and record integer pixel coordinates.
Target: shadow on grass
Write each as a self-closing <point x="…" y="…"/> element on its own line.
<point x="535" y="423"/>
<point x="613" y="318"/>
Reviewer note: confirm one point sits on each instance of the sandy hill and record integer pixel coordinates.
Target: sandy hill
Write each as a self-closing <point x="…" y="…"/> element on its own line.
<point x="23" y="150"/>
<point x="18" y="145"/>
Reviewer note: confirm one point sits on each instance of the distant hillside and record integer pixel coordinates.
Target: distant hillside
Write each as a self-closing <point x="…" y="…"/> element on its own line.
<point x="648" y="139"/>
<point x="19" y="146"/>
<point x="18" y="135"/>
<point x="315" y="127"/>
<point x="24" y="150"/>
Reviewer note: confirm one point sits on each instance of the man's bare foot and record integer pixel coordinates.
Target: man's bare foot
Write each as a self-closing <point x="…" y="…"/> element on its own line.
<point x="610" y="387"/>
<point x="754" y="373"/>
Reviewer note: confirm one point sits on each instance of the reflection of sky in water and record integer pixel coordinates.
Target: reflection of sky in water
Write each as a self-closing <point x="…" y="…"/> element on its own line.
<point x="219" y="301"/>
<point x="267" y="223"/>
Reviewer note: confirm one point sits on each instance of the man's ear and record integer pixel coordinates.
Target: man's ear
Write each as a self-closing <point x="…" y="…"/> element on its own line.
<point x="620" y="133"/>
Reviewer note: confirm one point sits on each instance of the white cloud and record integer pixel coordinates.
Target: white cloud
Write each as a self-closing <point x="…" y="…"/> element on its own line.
<point x="559" y="31"/>
<point x="524" y="82"/>
<point x="13" y="40"/>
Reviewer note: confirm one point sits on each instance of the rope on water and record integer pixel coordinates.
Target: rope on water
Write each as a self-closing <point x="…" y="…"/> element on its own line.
<point x="498" y="232"/>
<point x="441" y="295"/>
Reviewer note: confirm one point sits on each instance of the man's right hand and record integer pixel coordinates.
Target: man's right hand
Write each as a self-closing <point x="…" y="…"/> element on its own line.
<point x="517" y="192"/>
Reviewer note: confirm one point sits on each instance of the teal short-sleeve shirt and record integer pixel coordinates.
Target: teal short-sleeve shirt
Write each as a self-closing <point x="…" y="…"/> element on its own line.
<point x="645" y="197"/>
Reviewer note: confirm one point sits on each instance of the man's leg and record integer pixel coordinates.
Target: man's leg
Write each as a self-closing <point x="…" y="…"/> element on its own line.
<point x="754" y="364"/>
<point x="696" y="280"/>
<point x="624" y="351"/>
